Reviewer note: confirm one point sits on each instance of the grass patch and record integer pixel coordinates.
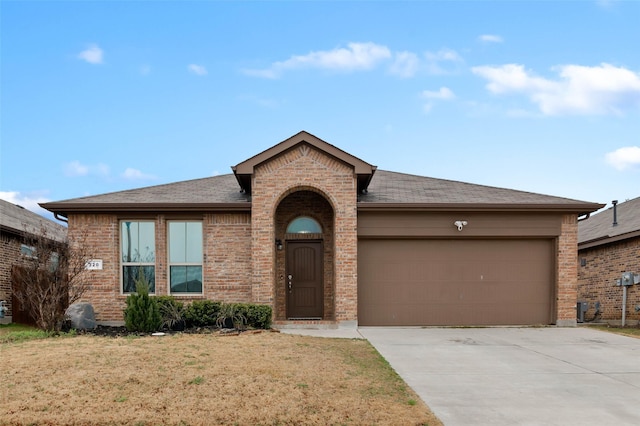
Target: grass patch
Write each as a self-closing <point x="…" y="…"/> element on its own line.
<point x="626" y="331"/>
<point x="15" y="333"/>
<point x="263" y="378"/>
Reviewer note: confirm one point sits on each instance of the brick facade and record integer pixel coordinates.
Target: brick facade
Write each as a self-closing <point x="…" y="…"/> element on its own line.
<point x="603" y="265"/>
<point x="567" y="273"/>
<point x="9" y="254"/>
<point x="226" y="258"/>
<point x="244" y="214"/>
<point x="306" y="169"/>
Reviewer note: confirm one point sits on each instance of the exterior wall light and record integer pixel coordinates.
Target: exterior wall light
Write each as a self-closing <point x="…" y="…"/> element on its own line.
<point x="279" y="244"/>
<point x="460" y="224"/>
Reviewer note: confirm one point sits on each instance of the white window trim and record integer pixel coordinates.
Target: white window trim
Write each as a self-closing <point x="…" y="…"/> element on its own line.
<point x="169" y="264"/>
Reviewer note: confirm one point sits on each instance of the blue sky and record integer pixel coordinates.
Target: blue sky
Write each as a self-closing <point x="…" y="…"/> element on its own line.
<point x="538" y="96"/>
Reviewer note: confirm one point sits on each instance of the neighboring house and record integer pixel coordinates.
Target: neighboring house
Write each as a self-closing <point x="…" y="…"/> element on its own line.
<point x="328" y="240"/>
<point x="608" y="246"/>
<point x="16" y="225"/>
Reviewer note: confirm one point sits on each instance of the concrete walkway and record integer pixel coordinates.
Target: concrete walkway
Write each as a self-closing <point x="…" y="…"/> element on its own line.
<point x="517" y="376"/>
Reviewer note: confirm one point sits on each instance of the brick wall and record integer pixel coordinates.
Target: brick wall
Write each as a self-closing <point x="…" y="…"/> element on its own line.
<point x="603" y="265"/>
<point x="226" y="262"/>
<point x="311" y="204"/>
<point x="305" y="168"/>
<point x="9" y="254"/>
<point x="567" y="273"/>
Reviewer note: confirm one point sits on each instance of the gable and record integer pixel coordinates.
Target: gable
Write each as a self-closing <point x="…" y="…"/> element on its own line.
<point x="245" y="170"/>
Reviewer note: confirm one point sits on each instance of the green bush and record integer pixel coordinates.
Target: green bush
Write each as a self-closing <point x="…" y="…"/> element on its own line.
<point x="171" y="312"/>
<point x="257" y="316"/>
<point x="202" y="313"/>
<point x="207" y="313"/>
<point x="142" y="313"/>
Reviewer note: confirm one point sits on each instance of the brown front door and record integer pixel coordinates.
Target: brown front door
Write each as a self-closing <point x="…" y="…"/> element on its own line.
<point x="304" y="279"/>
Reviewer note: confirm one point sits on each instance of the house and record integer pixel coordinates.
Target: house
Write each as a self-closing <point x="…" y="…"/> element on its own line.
<point x="17" y="226"/>
<point x="608" y="246"/>
<point x="328" y="240"/>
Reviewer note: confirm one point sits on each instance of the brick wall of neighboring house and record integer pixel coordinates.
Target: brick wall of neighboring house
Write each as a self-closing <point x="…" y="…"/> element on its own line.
<point x="567" y="273"/>
<point x="305" y="168"/>
<point x="226" y="263"/>
<point x="603" y="265"/>
<point x="9" y="254"/>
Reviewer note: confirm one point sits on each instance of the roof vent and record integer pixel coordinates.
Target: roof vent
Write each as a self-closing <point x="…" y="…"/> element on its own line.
<point x="615" y="212"/>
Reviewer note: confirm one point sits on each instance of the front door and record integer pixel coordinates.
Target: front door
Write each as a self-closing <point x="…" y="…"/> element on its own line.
<point x="303" y="280"/>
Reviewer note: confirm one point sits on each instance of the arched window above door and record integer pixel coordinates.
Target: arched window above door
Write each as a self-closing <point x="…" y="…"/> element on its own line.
<point x="304" y="225"/>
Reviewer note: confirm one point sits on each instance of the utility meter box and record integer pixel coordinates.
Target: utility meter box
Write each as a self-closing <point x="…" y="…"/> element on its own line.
<point x="581" y="308"/>
<point x="627" y="278"/>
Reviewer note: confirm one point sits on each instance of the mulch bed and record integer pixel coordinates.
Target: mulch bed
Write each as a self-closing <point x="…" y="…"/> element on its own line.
<point x="111" y="331"/>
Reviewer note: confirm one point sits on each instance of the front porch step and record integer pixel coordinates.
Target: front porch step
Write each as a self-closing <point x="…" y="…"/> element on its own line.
<point x="305" y="324"/>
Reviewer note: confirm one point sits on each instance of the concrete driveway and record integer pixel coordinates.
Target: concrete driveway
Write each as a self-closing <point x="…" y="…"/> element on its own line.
<point x="517" y="376"/>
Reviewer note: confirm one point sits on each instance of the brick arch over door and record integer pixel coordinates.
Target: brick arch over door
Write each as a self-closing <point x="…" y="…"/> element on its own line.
<point x="305" y="203"/>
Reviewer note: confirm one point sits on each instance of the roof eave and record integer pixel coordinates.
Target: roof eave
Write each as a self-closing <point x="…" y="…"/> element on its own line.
<point x="579" y="209"/>
<point x="64" y="209"/>
<point x="595" y="242"/>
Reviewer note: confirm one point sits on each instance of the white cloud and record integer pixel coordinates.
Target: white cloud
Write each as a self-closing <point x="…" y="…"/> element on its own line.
<point x="28" y="201"/>
<point x="444" y="94"/>
<point x="135" y="174"/>
<point x="579" y="90"/>
<point x="355" y="57"/>
<point x="444" y="61"/>
<point x="405" y="65"/>
<point x="93" y="55"/>
<point x="624" y="158"/>
<point x="490" y="38"/>
<point x="197" y="69"/>
<point x="75" y="169"/>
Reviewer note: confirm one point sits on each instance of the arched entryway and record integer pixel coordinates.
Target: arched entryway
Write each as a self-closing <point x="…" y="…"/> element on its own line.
<point x="304" y="230"/>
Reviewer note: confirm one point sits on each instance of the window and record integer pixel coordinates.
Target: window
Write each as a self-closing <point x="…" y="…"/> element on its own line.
<point x="185" y="257"/>
<point x="29" y="251"/>
<point x="138" y="254"/>
<point x="304" y="225"/>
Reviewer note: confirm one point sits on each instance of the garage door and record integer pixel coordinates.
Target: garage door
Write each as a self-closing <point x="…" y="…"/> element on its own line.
<point x="461" y="282"/>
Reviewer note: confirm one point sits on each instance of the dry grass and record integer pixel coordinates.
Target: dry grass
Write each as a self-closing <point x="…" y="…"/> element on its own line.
<point x="251" y="379"/>
<point x="626" y="331"/>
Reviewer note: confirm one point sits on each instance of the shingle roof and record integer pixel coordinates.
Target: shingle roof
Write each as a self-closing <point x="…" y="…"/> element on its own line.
<point x="387" y="189"/>
<point x="599" y="229"/>
<point x="18" y="220"/>
<point x="400" y="188"/>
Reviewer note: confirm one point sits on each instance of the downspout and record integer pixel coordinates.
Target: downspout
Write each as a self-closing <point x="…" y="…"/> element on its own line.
<point x="60" y="218"/>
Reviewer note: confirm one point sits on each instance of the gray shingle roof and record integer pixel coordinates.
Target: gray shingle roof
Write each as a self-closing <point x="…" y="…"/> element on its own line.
<point x="207" y="192"/>
<point x="400" y="188"/>
<point x="600" y="226"/>
<point x="17" y="220"/>
<point x="386" y="189"/>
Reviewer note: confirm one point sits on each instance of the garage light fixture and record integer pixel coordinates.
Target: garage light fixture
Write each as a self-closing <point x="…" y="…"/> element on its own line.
<point x="460" y="224"/>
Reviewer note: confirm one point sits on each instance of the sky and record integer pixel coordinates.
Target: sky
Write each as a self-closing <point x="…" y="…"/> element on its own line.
<point x="104" y="96"/>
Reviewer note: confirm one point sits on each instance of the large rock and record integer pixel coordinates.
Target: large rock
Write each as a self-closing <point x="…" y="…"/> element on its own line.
<point x="82" y="316"/>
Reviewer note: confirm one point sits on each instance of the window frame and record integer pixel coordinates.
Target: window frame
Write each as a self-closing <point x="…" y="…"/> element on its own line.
<point x="170" y="264"/>
<point x="152" y="264"/>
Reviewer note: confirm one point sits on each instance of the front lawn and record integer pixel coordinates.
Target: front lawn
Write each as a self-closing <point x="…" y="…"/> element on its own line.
<point x="262" y="378"/>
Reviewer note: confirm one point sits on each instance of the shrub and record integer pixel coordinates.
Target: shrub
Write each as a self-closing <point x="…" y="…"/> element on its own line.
<point x="142" y="313"/>
<point x="231" y="315"/>
<point x="256" y="316"/>
<point x="171" y="312"/>
<point x="202" y="313"/>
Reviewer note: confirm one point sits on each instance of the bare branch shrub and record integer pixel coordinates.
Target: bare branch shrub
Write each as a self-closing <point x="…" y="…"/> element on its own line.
<point x="50" y="278"/>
